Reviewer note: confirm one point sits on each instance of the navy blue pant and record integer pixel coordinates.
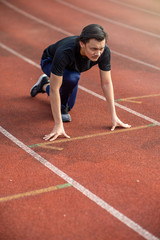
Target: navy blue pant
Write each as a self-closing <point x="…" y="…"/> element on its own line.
<point x="69" y="88"/>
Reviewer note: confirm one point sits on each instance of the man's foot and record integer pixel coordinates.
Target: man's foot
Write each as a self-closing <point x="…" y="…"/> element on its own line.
<point x="66" y="117"/>
<point x="38" y="87"/>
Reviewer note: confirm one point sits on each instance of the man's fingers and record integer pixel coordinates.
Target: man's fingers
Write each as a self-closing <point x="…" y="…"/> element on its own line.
<point x="120" y="125"/>
<point x="48" y="136"/>
<point x="57" y="135"/>
<point x="126" y="125"/>
<point x="54" y="136"/>
<point x="112" y="129"/>
<point x="66" y="135"/>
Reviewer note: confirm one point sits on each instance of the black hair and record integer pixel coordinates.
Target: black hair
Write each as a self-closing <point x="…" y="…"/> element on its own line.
<point x="93" y="31"/>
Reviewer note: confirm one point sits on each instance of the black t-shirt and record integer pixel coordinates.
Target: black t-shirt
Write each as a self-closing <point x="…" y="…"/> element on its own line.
<point x="65" y="54"/>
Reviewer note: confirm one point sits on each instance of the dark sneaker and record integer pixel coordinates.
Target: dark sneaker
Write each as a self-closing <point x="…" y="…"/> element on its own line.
<point x="65" y="115"/>
<point x="37" y="88"/>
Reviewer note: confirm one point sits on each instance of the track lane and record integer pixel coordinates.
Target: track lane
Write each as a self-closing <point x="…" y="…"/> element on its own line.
<point x="70" y="158"/>
<point x="80" y="188"/>
<point x="122" y="17"/>
<point x="133" y="46"/>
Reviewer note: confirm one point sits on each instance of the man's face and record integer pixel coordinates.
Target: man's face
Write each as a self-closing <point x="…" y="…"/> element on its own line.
<point x="92" y="49"/>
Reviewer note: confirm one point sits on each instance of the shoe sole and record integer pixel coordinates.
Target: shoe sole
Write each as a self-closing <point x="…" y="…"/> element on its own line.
<point x="39" y="80"/>
<point x="66" y="117"/>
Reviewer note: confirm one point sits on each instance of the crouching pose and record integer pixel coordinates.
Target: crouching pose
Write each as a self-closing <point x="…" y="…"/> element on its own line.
<point x="62" y="64"/>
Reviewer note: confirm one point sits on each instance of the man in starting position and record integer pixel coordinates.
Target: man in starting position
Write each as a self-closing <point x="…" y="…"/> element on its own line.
<point x="63" y="63"/>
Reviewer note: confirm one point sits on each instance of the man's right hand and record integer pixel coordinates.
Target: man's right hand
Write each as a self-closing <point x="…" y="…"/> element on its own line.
<point x="56" y="132"/>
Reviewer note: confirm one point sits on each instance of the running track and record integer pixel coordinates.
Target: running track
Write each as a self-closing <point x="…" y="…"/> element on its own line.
<point x="98" y="184"/>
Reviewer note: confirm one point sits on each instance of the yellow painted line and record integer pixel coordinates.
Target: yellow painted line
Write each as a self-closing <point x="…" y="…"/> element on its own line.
<point x="35" y="192"/>
<point x="51" y="147"/>
<point x="144" y="96"/>
<point x="129" y="100"/>
<point x="92" y="135"/>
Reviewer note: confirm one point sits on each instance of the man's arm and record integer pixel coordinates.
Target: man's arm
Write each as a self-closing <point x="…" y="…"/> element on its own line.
<point x="107" y="87"/>
<point x="55" y="84"/>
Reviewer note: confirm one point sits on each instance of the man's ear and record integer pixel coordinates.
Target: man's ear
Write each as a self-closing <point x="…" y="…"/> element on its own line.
<point x="81" y="44"/>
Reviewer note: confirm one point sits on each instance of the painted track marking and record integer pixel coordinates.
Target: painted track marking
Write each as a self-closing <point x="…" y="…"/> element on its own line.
<point x="81" y="87"/>
<point x="134" y="7"/>
<point x="53" y="27"/>
<point x="130" y="99"/>
<point x="121" y="106"/>
<point x="135" y="60"/>
<point x="44" y="144"/>
<point x="86" y="192"/>
<point x="114" y="212"/>
<point x="50" y="147"/>
<point x="95" y="15"/>
<point x="35" y="192"/>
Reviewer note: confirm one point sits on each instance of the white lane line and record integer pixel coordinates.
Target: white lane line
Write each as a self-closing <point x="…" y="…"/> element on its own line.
<point x="107" y="19"/>
<point x="121" y="106"/>
<point x="81" y="87"/>
<point x="135" y="7"/>
<point x="70" y="34"/>
<point x="19" y="55"/>
<point x="35" y="18"/>
<point x="118" y="215"/>
<point x="135" y="60"/>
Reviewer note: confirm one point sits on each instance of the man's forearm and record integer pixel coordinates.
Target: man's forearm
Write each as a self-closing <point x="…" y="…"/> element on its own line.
<point x="109" y="95"/>
<point x="55" y="106"/>
<point x="55" y="100"/>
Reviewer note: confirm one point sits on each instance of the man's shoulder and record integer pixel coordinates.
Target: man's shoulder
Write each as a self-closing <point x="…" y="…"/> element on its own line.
<point x="106" y="53"/>
<point x="107" y="49"/>
<point x="66" y="45"/>
<point x="70" y="41"/>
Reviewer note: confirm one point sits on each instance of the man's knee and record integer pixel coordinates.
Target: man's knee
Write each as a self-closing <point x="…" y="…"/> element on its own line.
<point x="71" y="77"/>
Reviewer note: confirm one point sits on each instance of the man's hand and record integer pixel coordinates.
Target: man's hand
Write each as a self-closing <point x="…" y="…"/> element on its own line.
<point x="116" y="122"/>
<point x="56" y="132"/>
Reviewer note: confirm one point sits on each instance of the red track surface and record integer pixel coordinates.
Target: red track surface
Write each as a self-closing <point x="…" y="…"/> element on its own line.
<point x="121" y="167"/>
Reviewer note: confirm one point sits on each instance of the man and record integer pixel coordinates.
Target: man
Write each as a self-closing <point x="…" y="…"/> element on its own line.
<point x="63" y="63"/>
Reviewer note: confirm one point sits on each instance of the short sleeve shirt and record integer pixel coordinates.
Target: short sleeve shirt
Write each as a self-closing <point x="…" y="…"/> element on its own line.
<point x="65" y="54"/>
